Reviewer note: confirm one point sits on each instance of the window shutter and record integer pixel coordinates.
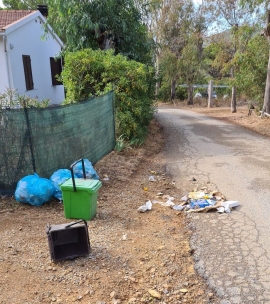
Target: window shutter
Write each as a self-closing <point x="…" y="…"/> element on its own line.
<point x="28" y="72"/>
<point x="56" y="69"/>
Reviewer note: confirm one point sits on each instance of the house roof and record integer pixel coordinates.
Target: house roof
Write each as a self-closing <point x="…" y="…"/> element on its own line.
<point x="10" y="17"/>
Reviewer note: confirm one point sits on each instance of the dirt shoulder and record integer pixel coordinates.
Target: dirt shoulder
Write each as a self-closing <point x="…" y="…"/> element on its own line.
<point x="135" y="257"/>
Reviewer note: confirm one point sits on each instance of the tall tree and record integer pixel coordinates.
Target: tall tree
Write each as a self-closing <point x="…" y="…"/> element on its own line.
<point x="229" y="15"/>
<point x="189" y="64"/>
<point x="263" y="5"/>
<point x="251" y="66"/>
<point x="170" y="24"/>
<point x="97" y="23"/>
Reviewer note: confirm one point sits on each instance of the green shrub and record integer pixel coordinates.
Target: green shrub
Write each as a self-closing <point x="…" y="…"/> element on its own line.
<point x="181" y="93"/>
<point x="90" y="73"/>
<point x="164" y="92"/>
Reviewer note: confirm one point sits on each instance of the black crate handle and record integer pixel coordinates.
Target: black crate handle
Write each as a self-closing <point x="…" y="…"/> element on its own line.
<point x="80" y="221"/>
<point x="72" y="173"/>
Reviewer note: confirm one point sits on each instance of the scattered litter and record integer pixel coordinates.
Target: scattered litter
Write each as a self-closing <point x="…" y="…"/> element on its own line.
<point x="184" y="198"/>
<point x="178" y="207"/>
<point x="124" y="237"/>
<point x="166" y="196"/>
<point x="221" y="210"/>
<point x="152" y="179"/>
<point x="230" y="204"/>
<point x="203" y="200"/>
<point x="153" y="172"/>
<point x="196" y="194"/>
<point x="142" y="209"/>
<point x="146" y="207"/>
<point x="160" y="194"/>
<point x="169" y="202"/>
<point x="145" y="189"/>
<point x="148" y="204"/>
<point x="106" y="178"/>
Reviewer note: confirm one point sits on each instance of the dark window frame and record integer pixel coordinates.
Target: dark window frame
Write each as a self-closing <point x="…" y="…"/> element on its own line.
<point x="28" y="72"/>
<point x="56" y="69"/>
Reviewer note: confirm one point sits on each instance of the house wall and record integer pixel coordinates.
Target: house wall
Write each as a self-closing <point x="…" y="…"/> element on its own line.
<point x="4" y="83"/>
<point x="26" y="40"/>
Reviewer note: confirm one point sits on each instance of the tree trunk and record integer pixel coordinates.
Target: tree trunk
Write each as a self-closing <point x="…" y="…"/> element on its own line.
<point x="233" y="101"/>
<point x="173" y="85"/>
<point x="190" y="95"/>
<point x="266" y="102"/>
<point x="210" y="94"/>
<point x="157" y="74"/>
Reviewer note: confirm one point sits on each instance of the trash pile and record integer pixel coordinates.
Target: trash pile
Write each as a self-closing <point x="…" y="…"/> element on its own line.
<point x="204" y="200"/>
<point x="195" y="201"/>
<point x="37" y="190"/>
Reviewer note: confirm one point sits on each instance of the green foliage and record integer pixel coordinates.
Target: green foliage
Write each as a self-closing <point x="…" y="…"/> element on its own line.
<point x="181" y="93"/>
<point x="11" y="99"/>
<point x="85" y="24"/>
<point x="23" y="4"/>
<point x="189" y="62"/>
<point x="90" y="73"/>
<point x="251" y="67"/>
<point x="165" y="89"/>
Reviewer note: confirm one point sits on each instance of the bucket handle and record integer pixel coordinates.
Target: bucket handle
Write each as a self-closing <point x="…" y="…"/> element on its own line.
<point x="72" y="173"/>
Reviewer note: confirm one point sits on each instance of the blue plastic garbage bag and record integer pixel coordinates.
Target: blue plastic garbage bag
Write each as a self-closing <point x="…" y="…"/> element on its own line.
<point x="89" y="170"/>
<point x="34" y="190"/>
<point x="58" y="178"/>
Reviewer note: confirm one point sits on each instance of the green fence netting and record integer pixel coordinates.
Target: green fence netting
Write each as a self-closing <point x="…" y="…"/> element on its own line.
<point x="45" y="140"/>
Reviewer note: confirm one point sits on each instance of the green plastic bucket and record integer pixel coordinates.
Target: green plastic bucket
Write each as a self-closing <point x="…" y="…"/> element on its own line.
<point x="80" y="196"/>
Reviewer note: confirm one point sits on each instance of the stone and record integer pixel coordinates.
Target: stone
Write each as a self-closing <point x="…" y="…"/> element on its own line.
<point x="112" y="294"/>
<point x="154" y="293"/>
<point x="183" y="290"/>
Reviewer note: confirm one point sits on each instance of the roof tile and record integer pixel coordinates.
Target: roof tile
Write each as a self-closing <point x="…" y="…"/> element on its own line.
<point x="8" y="17"/>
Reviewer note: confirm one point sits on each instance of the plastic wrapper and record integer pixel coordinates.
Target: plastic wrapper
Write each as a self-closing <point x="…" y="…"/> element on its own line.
<point x="89" y="170"/>
<point x="34" y="190"/>
<point x="58" y="178"/>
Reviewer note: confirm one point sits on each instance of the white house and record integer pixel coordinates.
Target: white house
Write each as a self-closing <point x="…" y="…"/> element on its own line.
<point x="27" y="61"/>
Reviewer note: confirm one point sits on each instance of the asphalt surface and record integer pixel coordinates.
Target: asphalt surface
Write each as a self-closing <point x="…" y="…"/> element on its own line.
<point x="231" y="250"/>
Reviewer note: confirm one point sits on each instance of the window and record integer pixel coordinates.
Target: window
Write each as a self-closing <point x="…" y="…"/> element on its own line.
<point x="28" y="72"/>
<point x="56" y="69"/>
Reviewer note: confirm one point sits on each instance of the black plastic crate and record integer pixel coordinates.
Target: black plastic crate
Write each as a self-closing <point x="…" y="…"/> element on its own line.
<point x="68" y="241"/>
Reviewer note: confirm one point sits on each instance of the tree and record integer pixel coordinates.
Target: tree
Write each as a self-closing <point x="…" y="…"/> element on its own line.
<point x="171" y="24"/>
<point x="189" y="64"/>
<point x="263" y="5"/>
<point x="98" y="23"/>
<point x="229" y="15"/>
<point x="251" y="65"/>
<point x="22" y="4"/>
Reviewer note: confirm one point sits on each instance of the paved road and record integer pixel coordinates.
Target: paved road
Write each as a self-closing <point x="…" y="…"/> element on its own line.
<point x="232" y="251"/>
